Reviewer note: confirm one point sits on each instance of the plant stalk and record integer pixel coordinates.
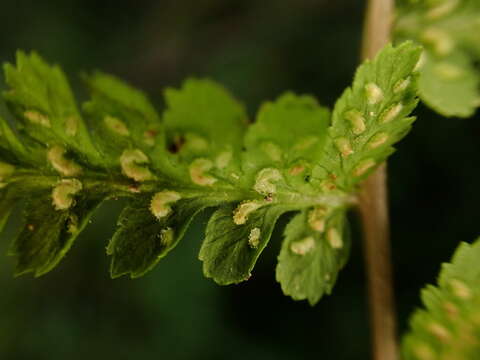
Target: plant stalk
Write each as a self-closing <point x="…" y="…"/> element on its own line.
<point x="373" y="208"/>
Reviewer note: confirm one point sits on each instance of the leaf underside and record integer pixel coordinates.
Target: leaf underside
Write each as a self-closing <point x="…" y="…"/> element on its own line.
<point x="449" y="325"/>
<point x="64" y="160"/>
<point x="448" y="30"/>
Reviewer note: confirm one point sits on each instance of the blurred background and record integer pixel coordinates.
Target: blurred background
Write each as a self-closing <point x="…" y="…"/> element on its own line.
<point x="257" y="49"/>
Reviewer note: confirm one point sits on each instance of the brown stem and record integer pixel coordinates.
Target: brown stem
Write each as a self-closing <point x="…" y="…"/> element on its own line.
<point x="374" y="210"/>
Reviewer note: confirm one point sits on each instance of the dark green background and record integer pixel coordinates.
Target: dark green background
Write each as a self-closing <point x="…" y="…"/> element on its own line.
<point x="258" y="49"/>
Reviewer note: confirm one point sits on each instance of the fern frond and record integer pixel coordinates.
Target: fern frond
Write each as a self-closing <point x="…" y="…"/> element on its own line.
<point x="449" y="326"/>
<point x="448" y="30"/>
<point x="297" y="157"/>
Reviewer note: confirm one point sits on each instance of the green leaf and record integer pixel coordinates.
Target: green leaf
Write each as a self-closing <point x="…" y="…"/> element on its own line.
<point x="448" y="30"/>
<point x="310" y="260"/>
<point x="49" y="233"/>
<point x="10" y="145"/>
<point x="205" y="125"/>
<point x="450" y="85"/>
<point x="8" y="200"/>
<point x="230" y="251"/>
<point x="143" y="239"/>
<point x="198" y="154"/>
<point x="449" y="327"/>
<point x="288" y="132"/>
<point x="122" y="118"/>
<point x="42" y="100"/>
<point x="372" y="115"/>
<point x="205" y="109"/>
<point x="118" y="93"/>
